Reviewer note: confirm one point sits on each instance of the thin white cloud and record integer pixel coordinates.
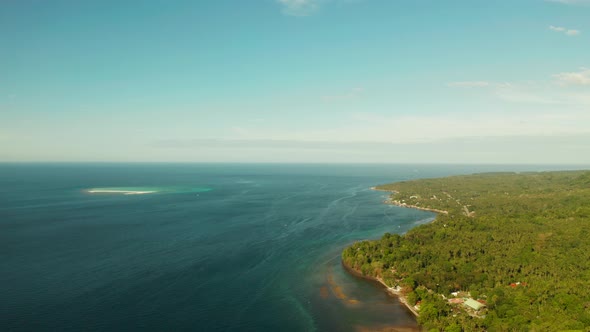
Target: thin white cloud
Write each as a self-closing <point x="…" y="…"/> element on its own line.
<point x="572" y="32"/>
<point x="563" y="90"/>
<point x="565" y="31"/>
<point x="405" y="129"/>
<point x="581" y="77"/>
<point x="351" y="94"/>
<point x="309" y="7"/>
<point x="539" y="149"/>
<point x="554" y="28"/>
<point x="469" y="84"/>
<point x="299" y="7"/>
<point x="571" y="2"/>
<point x="529" y="93"/>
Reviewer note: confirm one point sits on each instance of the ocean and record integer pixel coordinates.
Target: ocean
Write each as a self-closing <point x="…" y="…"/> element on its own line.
<point x="198" y="247"/>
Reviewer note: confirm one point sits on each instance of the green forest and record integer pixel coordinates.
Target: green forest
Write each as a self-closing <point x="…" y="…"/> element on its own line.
<point x="518" y="243"/>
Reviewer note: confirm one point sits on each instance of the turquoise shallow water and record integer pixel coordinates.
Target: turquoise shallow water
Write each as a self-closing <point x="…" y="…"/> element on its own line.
<point x="216" y="248"/>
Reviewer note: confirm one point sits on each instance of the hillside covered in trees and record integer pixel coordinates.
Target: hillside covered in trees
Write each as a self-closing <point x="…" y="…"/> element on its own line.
<point x="517" y="244"/>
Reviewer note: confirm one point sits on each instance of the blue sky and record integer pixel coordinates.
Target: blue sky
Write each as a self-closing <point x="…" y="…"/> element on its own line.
<point x="296" y="81"/>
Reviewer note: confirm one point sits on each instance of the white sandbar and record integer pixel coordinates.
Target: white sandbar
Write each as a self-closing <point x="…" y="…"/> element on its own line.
<point x="124" y="192"/>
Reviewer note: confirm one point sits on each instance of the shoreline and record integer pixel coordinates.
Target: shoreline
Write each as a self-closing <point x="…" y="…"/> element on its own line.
<point x="390" y="201"/>
<point x="390" y="290"/>
<point x="377" y="189"/>
<point x="400" y="204"/>
<point x="465" y="197"/>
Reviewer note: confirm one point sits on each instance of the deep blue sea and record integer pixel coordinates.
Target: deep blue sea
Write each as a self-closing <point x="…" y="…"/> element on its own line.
<point x="205" y="247"/>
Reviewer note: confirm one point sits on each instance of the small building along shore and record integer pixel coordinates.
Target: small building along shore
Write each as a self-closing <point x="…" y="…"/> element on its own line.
<point x="473" y="304"/>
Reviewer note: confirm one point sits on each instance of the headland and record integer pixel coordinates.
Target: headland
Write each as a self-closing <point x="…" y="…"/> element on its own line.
<point x="504" y="246"/>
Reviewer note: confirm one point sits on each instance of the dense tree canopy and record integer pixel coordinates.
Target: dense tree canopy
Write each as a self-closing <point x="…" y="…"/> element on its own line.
<point x="518" y="242"/>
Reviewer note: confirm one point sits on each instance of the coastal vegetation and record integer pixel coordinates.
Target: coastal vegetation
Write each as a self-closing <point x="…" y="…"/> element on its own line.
<point x="511" y="253"/>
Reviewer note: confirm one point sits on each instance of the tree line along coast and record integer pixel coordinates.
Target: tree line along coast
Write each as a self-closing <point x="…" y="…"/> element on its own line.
<point x="506" y="252"/>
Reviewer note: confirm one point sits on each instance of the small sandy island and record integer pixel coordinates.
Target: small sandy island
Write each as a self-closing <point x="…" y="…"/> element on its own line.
<point x="122" y="192"/>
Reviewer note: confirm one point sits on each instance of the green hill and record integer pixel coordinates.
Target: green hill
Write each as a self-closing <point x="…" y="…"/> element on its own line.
<point x="518" y="243"/>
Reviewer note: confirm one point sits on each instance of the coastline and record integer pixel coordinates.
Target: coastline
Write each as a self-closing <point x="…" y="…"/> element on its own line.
<point x="391" y="201"/>
<point x="401" y="204"/>
<point x="521" y="221"/>
<point x="390" y="290"/>
<point x="377" y="189"/>
<point x="394" y="291"/>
